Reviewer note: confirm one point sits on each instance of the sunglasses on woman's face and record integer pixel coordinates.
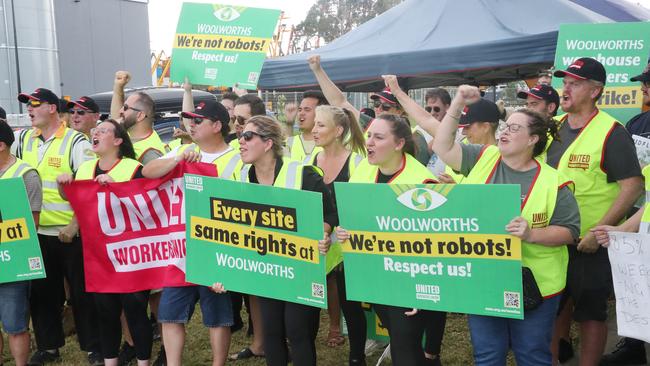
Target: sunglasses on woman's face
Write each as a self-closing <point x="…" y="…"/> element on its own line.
<point x="436" y="109"/>
<point x="248" y="135"/>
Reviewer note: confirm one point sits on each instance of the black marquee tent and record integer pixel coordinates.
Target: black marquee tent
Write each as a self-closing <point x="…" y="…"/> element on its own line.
<point x="445" y="42"/>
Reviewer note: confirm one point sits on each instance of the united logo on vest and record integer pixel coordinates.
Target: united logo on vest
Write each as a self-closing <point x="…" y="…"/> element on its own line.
<point x="54" y="161"/>
<point x="540" y="219"/>
<point x="579" y="161"/>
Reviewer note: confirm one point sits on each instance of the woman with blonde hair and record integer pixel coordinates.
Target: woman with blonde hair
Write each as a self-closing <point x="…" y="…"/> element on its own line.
<point x="338" y="133"/>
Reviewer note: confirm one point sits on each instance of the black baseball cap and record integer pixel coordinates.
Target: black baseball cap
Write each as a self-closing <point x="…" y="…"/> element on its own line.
<point x="85" y="103"/>
<point x="6" y="133"/>
<point x="644" y="76"/>
<point x="41" y="95"/>
<point x="210" y="109"/>
<point x="541" y="92"/>
<point x="585" y="68"/>
<point x="481" y="111"/>
<point x="3" y="113"/>
<point x="385" y="96"/>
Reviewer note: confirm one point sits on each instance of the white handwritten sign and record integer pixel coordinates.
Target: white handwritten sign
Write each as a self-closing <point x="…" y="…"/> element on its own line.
<point x="629" y="254"/>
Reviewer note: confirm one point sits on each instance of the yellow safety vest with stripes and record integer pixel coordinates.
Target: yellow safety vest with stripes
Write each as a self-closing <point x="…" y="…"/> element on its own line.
<point x="56" y="161"/>
<point x="411" y="172"/>
<point x="123" y="171"/>
<point x="548" y="264"/>
<point x="228" y="164"/>
<point x="582" y="162"/>
<point x="151" y="142"/>
<point x="16" y="170"/>
<point x="296" y="150"/>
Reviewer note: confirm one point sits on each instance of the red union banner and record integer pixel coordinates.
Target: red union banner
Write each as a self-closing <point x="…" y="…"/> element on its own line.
<point x="133" y="233"/>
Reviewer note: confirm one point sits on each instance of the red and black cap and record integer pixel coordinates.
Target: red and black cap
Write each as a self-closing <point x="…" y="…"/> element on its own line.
<point x="644" y="76"/>
<point x="85" y="103"/>
<point x="541" y="92"/>
<point x="40" y="95"/>
<point x="585" y="68"/>
<point x="385" y="96"/>
<point x="481" y="111"/>
<point x="210" y="109"/>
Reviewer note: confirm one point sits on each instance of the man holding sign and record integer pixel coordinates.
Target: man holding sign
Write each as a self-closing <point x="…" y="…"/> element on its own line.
<point x="14" y="313"/>
<point x="208" y="127"/>
<point x="630" y="350"/>
<point x="596" y="152"/>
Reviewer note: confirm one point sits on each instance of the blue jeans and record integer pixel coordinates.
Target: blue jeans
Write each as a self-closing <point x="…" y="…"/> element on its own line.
<point x="14" y="307"/>
<point x="530" y="338"/>
<point x="177" y="306"/>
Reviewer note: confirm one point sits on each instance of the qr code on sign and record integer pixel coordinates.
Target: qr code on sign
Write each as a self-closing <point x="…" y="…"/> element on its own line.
<point x="511" y="300"/>
<point x="317" y="290"/>
<point x="35" y="264"/>
<point x="252" y="77"/>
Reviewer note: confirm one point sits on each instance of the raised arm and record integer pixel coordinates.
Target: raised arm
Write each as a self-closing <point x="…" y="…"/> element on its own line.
<point x="428" y="122"/>
<point x="333" y="94"/>
<point x="445" y="145"/>
<point x="121" y="79"/>
<point x="188" y="102"/>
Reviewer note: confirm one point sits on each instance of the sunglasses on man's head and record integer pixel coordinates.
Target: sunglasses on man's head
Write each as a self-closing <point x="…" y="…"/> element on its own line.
<point x="248" y="135"/>
<point x="34" y="103"/>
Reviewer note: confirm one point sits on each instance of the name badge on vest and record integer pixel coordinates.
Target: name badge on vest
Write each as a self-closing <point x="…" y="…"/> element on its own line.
<point x="54" y="161"/>
<point x="579" y="161"/>
<point x="540" y="219"/>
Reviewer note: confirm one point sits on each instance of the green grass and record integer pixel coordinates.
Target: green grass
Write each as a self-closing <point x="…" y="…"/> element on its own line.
<point x="456" y="348"/>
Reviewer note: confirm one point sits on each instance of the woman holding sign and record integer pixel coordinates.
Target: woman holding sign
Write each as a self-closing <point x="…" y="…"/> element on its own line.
<point x="337" y="131"/>
<point x="261" y="145"/>
<point x="390" y="159"/>
<point x="116" y="163"/>
<point x="549" y="221"/>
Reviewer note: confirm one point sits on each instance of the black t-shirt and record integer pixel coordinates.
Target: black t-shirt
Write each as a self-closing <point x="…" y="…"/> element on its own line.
<point x="343" y="176"/>
<point x="311" y="181"/>
<point x="620" y="161"/>
<point x="640" y="125"/>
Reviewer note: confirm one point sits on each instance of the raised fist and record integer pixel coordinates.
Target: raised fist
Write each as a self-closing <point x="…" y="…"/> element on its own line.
<point x="122" y="78"/>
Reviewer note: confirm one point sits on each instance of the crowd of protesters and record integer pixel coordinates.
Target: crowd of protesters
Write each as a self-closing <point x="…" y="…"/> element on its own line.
<point x="580" y="169"/>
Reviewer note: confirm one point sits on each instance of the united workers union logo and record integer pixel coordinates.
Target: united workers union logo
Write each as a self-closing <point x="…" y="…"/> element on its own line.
<point x="226" y="14"/>
<point x="421" y="199"/>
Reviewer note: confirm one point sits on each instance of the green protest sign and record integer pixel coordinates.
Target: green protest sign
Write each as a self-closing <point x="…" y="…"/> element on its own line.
<point x="434" y="247"/>
<point x="255" y="239"/>
<point x="221" y="45"/>
<point x="623" y="48"/>
<point x="20" y="253"/>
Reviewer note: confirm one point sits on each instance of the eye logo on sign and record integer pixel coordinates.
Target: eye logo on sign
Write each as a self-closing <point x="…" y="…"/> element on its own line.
<point x="226" y="14"/>
<point x="421" y="199"/>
